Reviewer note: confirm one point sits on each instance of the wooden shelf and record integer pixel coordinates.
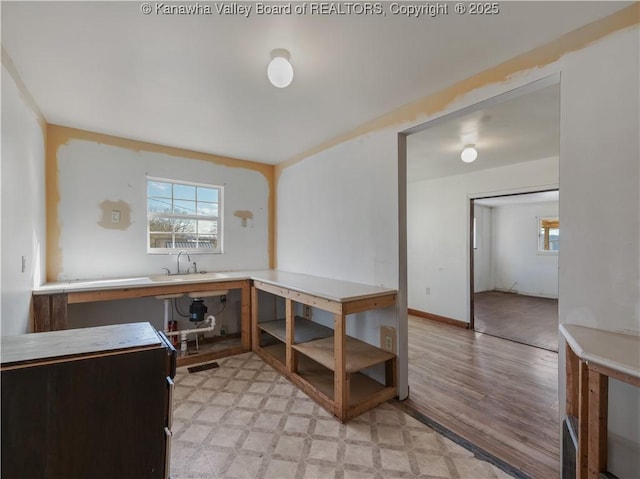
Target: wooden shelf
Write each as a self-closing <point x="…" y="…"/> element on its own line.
<point x="360" y="355"/>
<point x="304" y="330"/>
<point x="276" y="351"/>
<point x="362" y="386"/>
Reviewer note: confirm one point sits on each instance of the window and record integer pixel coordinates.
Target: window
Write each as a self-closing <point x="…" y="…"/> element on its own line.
<point x="183" y="216"/>
<point x="548" y="235"/>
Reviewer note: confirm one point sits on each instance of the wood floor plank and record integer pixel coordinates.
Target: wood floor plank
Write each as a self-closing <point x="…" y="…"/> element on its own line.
<point x="526" y="319"/>
<point x="500" y="395"/>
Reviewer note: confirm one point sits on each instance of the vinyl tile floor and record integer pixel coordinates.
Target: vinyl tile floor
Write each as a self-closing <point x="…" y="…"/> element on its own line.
<point x="245" y="420"/>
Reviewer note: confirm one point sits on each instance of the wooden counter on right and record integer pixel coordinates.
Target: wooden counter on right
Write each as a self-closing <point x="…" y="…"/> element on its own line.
<point x="592" y="357"/>
<point x="323" y="362"/>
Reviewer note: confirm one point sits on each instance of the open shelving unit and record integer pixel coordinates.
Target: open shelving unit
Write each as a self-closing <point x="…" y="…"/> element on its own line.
<point x="323" y="362"/>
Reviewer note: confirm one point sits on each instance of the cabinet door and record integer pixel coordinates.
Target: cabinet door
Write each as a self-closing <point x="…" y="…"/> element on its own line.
<point x="99" y="417"/>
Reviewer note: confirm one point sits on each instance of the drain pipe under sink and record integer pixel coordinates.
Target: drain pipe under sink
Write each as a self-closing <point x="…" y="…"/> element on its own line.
<point x="184" y="332"/>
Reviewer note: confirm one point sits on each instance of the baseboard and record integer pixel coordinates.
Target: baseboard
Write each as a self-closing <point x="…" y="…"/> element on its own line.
<point x="522" y="293"/>
<point x="440" y="319"/>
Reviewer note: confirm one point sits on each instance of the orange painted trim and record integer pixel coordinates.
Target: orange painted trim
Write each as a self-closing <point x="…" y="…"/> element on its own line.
<point x="58" y="136"/>
<point x="429" y="106"/>
<point x="52" y="200"/>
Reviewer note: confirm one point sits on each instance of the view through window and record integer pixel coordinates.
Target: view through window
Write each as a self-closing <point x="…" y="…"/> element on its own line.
<point x="183" y="216"/>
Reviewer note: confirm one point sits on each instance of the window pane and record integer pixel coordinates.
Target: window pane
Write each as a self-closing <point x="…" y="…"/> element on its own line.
<point x="184" y="192"/>
<point x="159" y="205"/>
<point x="208" y="209"/>
<point x="159" y="189"/>
<point x="207" y="227"/>
<point x="182" y="207"/>
<point x="208" y="194"/>
<point x="161" y="224"/>
<point x="182" y="225"/>
<point x="185" y="241"/>
<point x="161" y="240"/>
<point x="207" y="242"/>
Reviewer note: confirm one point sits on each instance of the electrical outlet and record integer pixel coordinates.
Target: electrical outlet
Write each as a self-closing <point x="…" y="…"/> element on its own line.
<point x="388" y="338"/>
<point x="306" y="311"/>
<point x="427" y="290"/>
<point x="115" y="216"/>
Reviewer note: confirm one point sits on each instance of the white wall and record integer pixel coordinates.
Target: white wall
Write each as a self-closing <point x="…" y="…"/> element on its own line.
<point x="23" y="207"/>
<point x="517" y="264"/>
<point x="337" y="217"/>
<point x="438" y="258"/>
<point x="337" y="212"/>
<point x="600" y="211"/>
<point x="482" y="259"/>
<point x="90" y="173"/>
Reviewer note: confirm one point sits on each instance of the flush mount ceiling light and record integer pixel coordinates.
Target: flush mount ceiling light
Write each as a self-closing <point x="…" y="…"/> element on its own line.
<point x="469" y="154"/>
<point x="280" y="71"/>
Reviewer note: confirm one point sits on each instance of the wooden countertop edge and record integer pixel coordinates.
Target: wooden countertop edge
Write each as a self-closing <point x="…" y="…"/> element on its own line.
<point x="67" y="288"/>
<point x="586" y="355"/>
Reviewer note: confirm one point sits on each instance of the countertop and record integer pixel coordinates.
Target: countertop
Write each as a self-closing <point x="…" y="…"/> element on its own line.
<point x="332" y="289"/>
<point x="76" y="342"/>
<point x="611" y="349"/>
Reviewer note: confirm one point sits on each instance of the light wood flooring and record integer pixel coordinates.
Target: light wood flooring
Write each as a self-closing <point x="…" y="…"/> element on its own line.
<point x="499" y="395"/>
<point x="525" y="319"/>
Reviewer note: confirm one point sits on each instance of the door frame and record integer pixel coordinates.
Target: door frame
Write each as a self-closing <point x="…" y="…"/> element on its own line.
<point x="472" y="199"/>
<point x="402" y="302"/>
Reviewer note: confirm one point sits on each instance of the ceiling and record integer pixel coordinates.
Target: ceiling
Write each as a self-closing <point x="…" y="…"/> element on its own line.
<point x="199" y="82"/>
<point x="521" y="129"/>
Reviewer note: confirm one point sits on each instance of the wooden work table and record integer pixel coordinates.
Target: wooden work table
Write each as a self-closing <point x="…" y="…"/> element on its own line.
<point x="324" y="362"/>
<point x="592" y="357"/>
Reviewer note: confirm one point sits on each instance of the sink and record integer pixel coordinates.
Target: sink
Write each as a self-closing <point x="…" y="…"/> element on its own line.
<point x="106" y="281"/>
<point x="183" y="277"/>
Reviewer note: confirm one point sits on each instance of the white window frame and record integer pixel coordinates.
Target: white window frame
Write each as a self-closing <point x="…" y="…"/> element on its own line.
<point x="219" y="218"/>
<point x="539" y="221"/>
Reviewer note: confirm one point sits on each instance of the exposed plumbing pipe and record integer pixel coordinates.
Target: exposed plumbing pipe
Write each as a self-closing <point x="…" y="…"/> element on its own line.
<point x="167" y="305"/>
<point x="184" y="332"/>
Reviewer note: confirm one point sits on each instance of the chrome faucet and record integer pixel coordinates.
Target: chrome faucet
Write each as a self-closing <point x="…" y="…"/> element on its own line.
<point x="178" y="260"/>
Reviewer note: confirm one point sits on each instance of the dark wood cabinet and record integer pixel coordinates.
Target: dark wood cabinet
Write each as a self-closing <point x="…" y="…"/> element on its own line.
<point x="93" y="402"/>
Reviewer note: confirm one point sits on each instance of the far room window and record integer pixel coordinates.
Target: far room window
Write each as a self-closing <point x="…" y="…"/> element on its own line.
<point x="183" y="216"/>
<point x="548" y="235"/>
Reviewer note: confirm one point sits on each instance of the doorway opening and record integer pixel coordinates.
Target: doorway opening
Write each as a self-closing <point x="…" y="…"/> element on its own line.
<point x="514" y="267"/>
<point x="456" y="375"/>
